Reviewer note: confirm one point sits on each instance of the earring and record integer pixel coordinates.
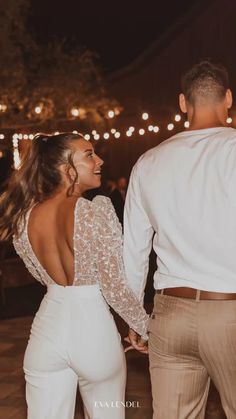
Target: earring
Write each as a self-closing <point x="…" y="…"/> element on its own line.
<point x="78" y="181"/>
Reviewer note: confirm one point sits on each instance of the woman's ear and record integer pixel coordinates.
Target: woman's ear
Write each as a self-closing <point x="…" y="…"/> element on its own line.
<point x="66" y="173"/>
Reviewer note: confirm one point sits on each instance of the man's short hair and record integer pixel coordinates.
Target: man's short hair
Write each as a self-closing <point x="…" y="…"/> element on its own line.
<point x="205" y="82"/>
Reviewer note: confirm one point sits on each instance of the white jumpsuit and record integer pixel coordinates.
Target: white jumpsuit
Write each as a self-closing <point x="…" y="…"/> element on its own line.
<point x="74" y="340"/>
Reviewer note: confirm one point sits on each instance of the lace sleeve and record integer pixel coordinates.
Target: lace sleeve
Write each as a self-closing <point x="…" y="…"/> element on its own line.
<point x="83" y="239"/>
<point x="108" y="251"/>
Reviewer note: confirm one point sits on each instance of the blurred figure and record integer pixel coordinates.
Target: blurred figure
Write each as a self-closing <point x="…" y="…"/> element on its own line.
<point x="117" y="195"/>
<point x="122" y="186"/>
<point x="110" y="186"/>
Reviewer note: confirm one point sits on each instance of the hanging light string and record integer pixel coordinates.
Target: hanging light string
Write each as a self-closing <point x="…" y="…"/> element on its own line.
<point x="112" y="133"/>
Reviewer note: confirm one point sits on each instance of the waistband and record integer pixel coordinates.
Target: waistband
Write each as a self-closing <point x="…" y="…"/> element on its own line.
<point x="195" y="294"/>
<point x="83" y="291"/>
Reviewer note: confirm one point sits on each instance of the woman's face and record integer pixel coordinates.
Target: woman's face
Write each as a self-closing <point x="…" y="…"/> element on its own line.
<point x="87" y="164"/>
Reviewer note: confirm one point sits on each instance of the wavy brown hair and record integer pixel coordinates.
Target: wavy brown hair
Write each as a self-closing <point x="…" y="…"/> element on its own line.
<point x="37" y="179"/>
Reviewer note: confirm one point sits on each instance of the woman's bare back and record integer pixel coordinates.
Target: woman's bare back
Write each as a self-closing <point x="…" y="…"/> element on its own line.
<point x="50" y="232"/>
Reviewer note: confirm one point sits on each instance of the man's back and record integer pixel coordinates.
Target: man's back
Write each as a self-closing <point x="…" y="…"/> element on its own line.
<point x="187" y="190"/>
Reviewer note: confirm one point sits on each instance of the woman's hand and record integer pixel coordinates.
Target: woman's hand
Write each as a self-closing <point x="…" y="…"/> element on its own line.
<point x="137" y="342"/>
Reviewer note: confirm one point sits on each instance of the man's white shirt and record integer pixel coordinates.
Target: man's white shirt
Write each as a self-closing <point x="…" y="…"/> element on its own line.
<point x="182" y="200"/>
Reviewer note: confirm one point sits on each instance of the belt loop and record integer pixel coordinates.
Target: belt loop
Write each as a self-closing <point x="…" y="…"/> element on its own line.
<point x="198" y="295"/>
<point x="162" y="291"/>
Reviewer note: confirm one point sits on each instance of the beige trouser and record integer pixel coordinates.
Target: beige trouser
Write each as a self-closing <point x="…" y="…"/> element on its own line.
<point x="190" y="342"/>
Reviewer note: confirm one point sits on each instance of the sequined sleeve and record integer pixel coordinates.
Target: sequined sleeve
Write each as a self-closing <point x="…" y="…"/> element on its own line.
<point x="109" y="260"/>
<point x="83" y="240"/>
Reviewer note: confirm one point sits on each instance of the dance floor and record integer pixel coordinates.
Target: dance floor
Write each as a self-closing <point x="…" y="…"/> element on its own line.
<point x="13" y="338"/>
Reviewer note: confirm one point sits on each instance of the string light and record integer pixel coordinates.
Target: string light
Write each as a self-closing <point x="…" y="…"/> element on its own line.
<point x="145" y="116"/>
<point x="82" y="113"/>
<point x="106" y="135"/>
<point x="117" y="111"/>
<point x="16" y="154"/>
<point x="111" y="114"/>
<point x="15" y="142"/>
<point x="3" y="107"/>
<point x="38" y="109"/>
<point x="74" y="111"/>
<point x="128" y="133"/>
<point x="177" y="118"/>
<point x="16" y="158"/>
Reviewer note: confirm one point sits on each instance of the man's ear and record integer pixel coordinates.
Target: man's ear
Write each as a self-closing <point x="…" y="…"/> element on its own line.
<point x="229" y="98"/>
<point x="182" y="103"/>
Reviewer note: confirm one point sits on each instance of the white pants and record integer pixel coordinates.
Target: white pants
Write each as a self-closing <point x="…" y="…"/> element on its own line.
<point x="74" y="341"/>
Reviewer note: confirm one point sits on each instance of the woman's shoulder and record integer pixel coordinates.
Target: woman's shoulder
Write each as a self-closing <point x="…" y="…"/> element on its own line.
<point x="83" y="209"/>
<point x="102" y="201"/>
<point x="104" y="213"/>
<point x="97" y="201"/>
<point x="103" y="206"/>
<point x="100" y="209"/>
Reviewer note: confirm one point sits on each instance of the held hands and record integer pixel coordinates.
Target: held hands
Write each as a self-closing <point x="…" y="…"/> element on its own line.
<point x="136" y="342"/>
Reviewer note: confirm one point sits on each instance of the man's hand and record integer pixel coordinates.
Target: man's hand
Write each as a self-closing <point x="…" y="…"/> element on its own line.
<point x="137" y="342"/>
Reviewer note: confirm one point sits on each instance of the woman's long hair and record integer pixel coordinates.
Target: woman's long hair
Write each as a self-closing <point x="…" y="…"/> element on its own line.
<point x="37" y="179"/>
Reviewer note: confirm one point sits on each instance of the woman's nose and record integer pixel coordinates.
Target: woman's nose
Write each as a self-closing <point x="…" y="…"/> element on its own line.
<point x="100" y="161"/>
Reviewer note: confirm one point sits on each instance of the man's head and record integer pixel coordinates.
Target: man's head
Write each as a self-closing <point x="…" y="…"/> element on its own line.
<point x="205" y="85"/>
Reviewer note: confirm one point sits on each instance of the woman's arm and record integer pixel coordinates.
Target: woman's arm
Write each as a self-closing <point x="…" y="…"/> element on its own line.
<point x="109" y="262"/>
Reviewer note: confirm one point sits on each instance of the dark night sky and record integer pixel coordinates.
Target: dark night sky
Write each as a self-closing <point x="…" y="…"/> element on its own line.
<point x="117" y="31"/>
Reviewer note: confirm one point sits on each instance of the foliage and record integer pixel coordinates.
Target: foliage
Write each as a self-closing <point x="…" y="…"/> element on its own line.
<point x="50" y="79"/>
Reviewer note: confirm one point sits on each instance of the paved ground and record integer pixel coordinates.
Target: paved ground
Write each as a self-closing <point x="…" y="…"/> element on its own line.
<point x="13" y="338"/>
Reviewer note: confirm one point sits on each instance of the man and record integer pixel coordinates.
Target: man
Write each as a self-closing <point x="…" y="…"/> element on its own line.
<point x="184" y="192"/>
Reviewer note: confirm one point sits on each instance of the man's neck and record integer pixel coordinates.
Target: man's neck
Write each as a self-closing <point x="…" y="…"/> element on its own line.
<point x="205" y="117"/>
<point x="197" y="126"/>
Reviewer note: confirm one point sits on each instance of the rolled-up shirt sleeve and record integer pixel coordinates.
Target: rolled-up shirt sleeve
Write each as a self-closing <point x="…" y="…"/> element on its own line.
<point x="138" y="234"/>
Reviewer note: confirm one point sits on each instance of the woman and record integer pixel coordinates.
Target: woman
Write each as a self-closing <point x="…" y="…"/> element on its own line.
<point x="74" y="247"/>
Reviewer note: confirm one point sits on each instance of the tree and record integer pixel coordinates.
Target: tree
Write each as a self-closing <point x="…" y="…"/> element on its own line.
<point x="42" y="83"/>
<point x="12" y="74"/>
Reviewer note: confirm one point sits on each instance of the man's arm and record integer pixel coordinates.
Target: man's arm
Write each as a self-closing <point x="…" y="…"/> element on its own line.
<point x="138" y="233"/>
